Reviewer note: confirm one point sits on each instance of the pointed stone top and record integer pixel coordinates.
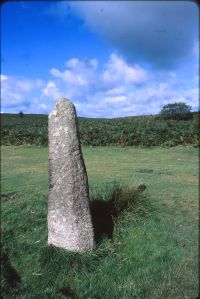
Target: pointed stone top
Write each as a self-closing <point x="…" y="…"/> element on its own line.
<point x="63" y="99"/>
<point x="62" y="103"/>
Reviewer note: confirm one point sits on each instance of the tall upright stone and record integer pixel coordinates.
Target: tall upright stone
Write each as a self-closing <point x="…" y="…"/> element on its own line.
<point x="69" y="219"/>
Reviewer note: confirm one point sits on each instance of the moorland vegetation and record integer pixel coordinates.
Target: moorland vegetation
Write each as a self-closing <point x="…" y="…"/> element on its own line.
<point x="151" y="130"/>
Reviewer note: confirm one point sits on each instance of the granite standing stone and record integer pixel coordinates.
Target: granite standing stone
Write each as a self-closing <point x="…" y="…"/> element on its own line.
<point x="69" y="219"/>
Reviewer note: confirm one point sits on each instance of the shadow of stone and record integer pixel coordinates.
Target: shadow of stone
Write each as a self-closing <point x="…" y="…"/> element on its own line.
<point x="102" y="219"/>
<point x="10" y="277"/>
<point x="105" y="212"/>
<point x="68" y="292"/>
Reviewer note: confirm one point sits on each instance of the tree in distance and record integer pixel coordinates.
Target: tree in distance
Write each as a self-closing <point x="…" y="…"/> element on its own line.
<point x="21" y="114"/>
<point x="176" y="111"/>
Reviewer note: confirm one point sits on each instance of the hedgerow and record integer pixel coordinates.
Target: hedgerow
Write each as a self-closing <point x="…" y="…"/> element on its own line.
<point x="127" y="131"/>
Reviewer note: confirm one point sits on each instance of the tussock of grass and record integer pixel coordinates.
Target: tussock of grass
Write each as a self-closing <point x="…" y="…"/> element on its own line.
<point x="108" y="207"/>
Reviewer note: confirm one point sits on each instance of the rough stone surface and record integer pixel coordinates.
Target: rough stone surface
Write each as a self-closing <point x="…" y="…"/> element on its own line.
<point x="69" y="219"/>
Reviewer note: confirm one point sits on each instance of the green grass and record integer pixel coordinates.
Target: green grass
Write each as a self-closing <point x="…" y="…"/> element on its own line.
<point x="153" y="252"/>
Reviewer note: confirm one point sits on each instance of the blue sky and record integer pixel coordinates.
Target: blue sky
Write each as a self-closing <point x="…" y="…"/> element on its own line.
<point x="112" y="59"/>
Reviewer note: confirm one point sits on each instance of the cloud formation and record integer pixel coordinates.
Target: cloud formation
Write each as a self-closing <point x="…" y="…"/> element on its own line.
<point x="118" y="71"/>
<point x="114" y="89"/>
<point x="161" y="33"/>
<point x="117" y="88"/>
<point x="15" y="92"/>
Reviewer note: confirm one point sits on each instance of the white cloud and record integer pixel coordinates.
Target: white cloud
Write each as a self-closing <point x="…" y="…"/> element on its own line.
<point x="116" y="90"/>
<point x="115" y="99"/>
<point x="117" y="70"/>
<point x="69" y="77"/>
<point x="4" y="78"/>
<point x="51" y="91"/>
<point x="78" y="72"/>
<point x="28" y="85"/>
<point x="43" y="106"/>
<point x="94" y="63"/>
<point x="16" y="92"/>
<point x="73" y="63"/>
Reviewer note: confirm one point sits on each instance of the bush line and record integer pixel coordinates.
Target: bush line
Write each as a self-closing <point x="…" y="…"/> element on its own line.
<point x="127" y="131"/>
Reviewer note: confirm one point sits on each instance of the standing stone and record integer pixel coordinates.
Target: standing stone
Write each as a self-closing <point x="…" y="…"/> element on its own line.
<point x="69" y="219"/>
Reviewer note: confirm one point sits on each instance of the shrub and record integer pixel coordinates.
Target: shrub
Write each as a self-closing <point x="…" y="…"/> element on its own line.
<point x="176" y="111"/>
<point x="21" y="114"/>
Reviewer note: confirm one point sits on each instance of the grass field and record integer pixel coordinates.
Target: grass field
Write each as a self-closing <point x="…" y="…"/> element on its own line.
<point x="153" y="252"/>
